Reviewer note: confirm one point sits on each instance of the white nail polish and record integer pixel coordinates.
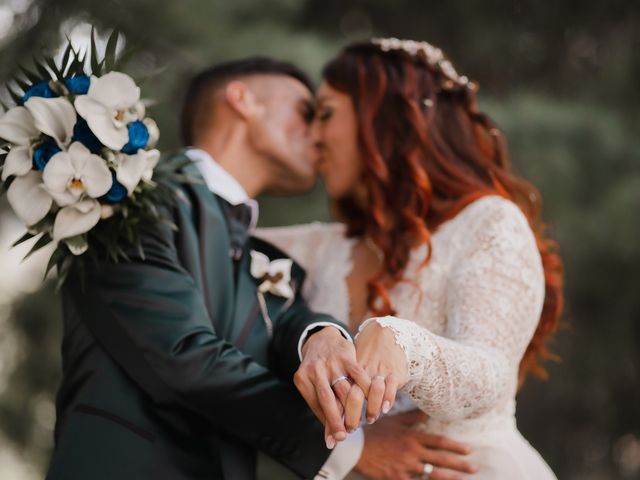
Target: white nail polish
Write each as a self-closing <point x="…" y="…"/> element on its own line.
<point x="330" y="442"/>
<point x="386" y="406"/>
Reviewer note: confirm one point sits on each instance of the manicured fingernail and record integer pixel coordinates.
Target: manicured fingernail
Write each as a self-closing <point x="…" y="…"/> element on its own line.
<point x="331" y="442"/>
<point x="351" y="430"/>
<point x="386" y="406"/>
<point x="370" y="420"/>
<point x="340" y="436"/>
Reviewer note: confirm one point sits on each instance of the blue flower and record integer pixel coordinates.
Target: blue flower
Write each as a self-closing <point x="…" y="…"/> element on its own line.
<point x="138" y="137"/>
<point x="43" y="153"/>
<point x="40" y="89"/>
<point x="78" y="84"/>
<point x="116" y="193"/>
<point x="83" y="134"/>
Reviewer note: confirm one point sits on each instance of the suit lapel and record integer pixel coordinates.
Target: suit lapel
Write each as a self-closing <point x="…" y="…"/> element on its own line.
<point x="213" y="247"/>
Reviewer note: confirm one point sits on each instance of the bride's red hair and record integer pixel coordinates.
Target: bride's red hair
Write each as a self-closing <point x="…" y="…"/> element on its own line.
<point x="428" y="151"/>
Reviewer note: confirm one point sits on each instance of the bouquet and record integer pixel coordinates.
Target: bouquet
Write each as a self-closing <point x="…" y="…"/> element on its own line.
<point x="77" y="158"/>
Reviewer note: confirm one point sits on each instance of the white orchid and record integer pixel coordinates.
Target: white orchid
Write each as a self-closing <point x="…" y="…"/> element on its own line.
<point x="154" y="132"/>
<point x="131" y="169"/>
<point x="76" y="219"/>
<point x="23" y="126"/>
<point x="55" y="117"/>
<point x="18" y="128"/>
<point x="275" y="276"/>
<point x="112" y="102"/>
<point x="28" y="198"/>
<point x="76" y="173"/>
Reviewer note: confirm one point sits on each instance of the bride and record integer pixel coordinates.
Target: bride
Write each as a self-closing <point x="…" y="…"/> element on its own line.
<point x="440" y="260"/>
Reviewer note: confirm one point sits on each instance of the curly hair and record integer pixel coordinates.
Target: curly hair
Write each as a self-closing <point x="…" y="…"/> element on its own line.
<point x="428" y="151"/>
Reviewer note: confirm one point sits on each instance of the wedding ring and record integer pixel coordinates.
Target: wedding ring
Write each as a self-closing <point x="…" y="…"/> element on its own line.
<point x="339" y="379"/>
<point x="427" y="470"/>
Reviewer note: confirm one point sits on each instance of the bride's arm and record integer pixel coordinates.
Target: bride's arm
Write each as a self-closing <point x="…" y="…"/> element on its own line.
<point x="494" y="299"/>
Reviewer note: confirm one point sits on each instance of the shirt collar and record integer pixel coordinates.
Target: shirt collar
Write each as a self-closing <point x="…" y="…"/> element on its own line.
<point x="221" y="182"/>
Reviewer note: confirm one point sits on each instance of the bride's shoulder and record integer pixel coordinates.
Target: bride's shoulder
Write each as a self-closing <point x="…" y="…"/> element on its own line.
<point x="491" y="210"/>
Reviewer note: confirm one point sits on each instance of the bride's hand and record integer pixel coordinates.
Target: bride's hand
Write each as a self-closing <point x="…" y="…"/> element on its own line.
<point x="394" y="450"/>
<point x="385" y="363"/>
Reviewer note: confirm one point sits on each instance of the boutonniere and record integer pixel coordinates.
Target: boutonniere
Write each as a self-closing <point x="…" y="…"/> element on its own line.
<point x="275" y="278"/>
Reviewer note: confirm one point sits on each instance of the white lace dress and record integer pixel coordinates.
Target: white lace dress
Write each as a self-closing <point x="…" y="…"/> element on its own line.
<point x="464" y="322"/>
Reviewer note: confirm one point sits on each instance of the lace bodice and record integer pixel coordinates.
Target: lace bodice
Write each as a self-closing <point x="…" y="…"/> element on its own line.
<point x="463" y="321"/>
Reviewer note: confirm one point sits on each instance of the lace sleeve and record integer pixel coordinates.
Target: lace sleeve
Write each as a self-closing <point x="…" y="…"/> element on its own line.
<point x="494" y="294"/>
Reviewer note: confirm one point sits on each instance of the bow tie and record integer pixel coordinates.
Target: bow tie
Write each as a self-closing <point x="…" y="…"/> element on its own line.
<point x="238" y="222"/>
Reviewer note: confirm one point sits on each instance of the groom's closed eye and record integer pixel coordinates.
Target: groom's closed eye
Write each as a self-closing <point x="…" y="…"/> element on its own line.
<point x="308" y="111"/>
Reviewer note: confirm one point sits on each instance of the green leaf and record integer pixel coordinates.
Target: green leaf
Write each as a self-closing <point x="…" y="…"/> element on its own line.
<point x="43" y="241"/>
<point x="54" y="68"/>
<point x="57" y="255"/>
<point x="63" y="271"/>
<point x="78" y="65"/>
<point x="95" y="65"/>
<point x="65" y="57"/>
<point x="110" y="51"/>
<point x="140" y="249"/>
<point x="42" y="70"/>
<point x="24" y="238"/>
<point x="24" y="86"/>
<point x="14" y="96"/>
<point x="31" y="76"/>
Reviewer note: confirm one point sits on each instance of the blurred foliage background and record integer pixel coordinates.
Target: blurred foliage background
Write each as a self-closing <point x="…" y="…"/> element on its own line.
<point x="560" y="78"/>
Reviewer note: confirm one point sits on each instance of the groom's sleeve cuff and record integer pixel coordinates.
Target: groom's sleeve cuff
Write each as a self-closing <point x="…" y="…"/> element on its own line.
<point x="343" y="458"/>
<point x="313" y="326"/>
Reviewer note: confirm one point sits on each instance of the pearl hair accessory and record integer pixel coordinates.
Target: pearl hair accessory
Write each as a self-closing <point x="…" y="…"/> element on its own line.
<point x="432" y="56"/>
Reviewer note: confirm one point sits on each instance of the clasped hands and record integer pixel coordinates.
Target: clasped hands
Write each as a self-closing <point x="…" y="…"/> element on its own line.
<point x="336" y="377"/>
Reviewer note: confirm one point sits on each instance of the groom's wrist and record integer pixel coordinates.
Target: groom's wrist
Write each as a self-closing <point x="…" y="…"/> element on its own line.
<point x="317" y="328"/>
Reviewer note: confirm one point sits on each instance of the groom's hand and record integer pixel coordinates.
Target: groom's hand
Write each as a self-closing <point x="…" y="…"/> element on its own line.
<point x="329" y="358"/>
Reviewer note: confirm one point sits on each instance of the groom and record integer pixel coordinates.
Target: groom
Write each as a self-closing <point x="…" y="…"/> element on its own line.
<point x="178" y="365"/>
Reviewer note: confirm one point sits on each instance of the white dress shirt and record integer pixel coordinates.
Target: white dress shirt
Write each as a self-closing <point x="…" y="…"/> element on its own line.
<point x="346" y="454"/>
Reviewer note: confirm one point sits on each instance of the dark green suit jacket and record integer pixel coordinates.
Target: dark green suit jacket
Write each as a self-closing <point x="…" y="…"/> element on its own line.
<point x="168" y="371"/>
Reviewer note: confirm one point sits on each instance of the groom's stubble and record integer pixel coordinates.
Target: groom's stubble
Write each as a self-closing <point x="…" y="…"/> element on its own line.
<point x="281" y="133"/>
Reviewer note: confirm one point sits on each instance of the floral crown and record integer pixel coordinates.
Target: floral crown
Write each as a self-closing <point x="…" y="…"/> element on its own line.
<point x="433" y="57"/>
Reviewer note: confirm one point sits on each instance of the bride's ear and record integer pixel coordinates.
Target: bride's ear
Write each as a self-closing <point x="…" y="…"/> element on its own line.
<point x="241" y="100"/>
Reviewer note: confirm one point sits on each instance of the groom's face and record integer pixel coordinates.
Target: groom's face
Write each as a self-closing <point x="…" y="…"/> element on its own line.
<point x="280" y="132"/>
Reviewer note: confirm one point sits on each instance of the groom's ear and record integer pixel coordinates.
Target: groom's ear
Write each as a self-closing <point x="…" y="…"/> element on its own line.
<point x="241" y="99"/>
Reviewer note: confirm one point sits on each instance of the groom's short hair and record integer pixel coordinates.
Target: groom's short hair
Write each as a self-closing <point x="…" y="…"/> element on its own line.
<point x="199" y="94"/>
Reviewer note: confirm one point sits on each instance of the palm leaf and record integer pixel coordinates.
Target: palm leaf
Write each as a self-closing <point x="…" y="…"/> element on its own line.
<point x="15" y="96"/>
<point x="24" y="238"/>
<point x="65" y="57"/>
<point x="110" y="52"/>
<point x="24" y="86"/>
<point x="95" y="65"/>
<point x="31" y="76"/>
<point x="56" y="256"/>
<point x="43" y="241"/>
<point x="54" y="68"/>
<point x="42" y="70"/>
